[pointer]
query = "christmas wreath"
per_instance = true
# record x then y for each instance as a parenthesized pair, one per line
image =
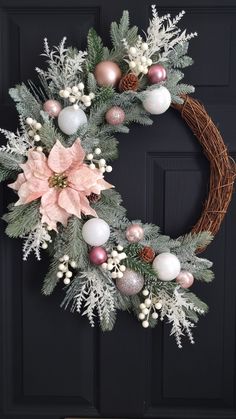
(58, 159)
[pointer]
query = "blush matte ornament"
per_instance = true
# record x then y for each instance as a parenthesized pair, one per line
(157, 101)
(156, 74)
(96, 232)
(134, 233)
(70, 119)
(52, 107)
(167, 266)
(185, 279)
(131, 283)
(115, 116)
(107, 73)
(97, 255)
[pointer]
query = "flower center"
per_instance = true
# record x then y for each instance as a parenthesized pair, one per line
(58, 180)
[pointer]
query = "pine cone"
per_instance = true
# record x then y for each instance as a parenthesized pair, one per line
(147, 254)
(93, 197)
(128, 82)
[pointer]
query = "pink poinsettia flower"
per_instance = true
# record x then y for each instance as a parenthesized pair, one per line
(62, 181)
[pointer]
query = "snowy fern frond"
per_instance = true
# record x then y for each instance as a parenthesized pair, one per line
(35, 240)
(17, 143)
(163, 34)
(175, 307)
(64, 64)
(96, 297)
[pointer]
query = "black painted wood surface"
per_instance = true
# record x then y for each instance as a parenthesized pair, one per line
(53, 365)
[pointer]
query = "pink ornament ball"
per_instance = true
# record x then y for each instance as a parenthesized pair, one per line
(134, 233)
(131, 283)
(156, 74)
(97, 255)
(107, 73)
(115, 116)
(185, 279)
(52, 107)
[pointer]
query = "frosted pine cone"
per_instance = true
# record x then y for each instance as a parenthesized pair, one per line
(128, 82)
(147, 254)
(93, 197)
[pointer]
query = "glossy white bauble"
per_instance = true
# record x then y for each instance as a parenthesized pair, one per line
(167, 266)
(96, 232)
(157, 101)
(70, 119)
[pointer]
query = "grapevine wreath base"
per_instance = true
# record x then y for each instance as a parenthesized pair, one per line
(59, 157)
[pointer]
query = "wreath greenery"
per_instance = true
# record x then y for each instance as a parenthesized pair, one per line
(59, 156)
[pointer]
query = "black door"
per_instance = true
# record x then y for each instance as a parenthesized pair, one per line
(53, 364)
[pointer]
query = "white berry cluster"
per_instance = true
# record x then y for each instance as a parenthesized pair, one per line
(149, 307)
(33, 130)
(114, 262)
(95, 162)
(46, 239)
(138, 57)
(63, 269)
(75, 94)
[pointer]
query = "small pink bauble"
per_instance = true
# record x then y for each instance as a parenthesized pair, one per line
(156, 73)
(185, 279)
(97, 255)
(115, 116)
(107, 73)
(134, 233)
(52, 107)
(131, 283)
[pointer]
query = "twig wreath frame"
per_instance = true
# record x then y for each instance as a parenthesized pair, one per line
(59, 157)
(222, 166)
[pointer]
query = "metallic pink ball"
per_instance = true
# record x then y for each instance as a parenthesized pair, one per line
(185, 279)
(107, 73)
(115, 116)
(131, 283)
(134, 233)
(156, 73)
(52, 107)
(97, 255)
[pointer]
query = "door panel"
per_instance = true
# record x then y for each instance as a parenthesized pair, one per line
(53, 364)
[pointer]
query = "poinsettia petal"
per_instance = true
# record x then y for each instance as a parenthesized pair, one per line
(18, 182)
(83, 178)
(31, 190)
(50, 210)
(36, 165)
(85, 206)
(53, 214)
(77, 153)
(69, 199)
(60, 158)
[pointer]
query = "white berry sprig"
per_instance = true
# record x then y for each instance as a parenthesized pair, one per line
(75, 94)
(114, 262)
(33, 128)
(95, 162)
(63, 269)
(149, 307)
(138, 57)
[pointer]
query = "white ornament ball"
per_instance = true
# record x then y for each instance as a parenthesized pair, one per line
(167, 266)
(96, 232)
(157, 101)
(70, 119)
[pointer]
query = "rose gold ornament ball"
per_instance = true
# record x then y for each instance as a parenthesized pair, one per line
(107, 73)
(156, 73)
(115, 116)
(134, 233)
(185, 279)
(52, 107)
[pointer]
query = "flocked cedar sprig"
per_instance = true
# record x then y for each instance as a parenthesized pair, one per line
(70, 79)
